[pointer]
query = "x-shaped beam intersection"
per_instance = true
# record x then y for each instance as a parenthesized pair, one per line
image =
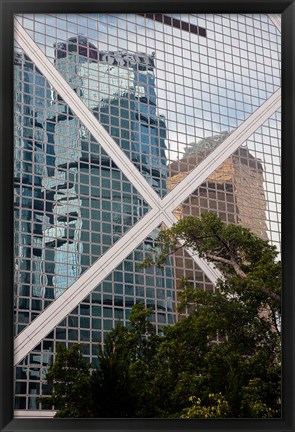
(161, 209)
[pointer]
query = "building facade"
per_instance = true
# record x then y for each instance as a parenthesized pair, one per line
(235, 190)
(106, 107)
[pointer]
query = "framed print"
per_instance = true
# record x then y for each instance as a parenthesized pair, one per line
(147, 191)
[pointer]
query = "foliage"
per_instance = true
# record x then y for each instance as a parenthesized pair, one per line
(218, 407)
(222, 360)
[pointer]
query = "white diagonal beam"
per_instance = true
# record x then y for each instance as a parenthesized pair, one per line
(198, 175)
(85, 115)
(276, 20)
(87, 282)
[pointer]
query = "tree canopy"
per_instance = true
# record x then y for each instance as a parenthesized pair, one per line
(222, 360)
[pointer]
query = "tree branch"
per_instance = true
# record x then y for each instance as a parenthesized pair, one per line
(243, 275)
(270, 294)
(232, 263)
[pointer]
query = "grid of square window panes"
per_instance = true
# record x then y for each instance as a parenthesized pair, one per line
(169, 90)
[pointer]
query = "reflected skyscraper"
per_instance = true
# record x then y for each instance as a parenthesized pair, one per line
(77, 203)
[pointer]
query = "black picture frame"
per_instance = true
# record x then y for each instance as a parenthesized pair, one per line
(8, 9)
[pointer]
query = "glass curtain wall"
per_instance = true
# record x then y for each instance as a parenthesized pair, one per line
(169, 90)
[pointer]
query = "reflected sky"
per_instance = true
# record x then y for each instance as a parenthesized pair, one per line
(204, 85)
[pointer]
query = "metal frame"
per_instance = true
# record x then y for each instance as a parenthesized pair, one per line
(34, 414)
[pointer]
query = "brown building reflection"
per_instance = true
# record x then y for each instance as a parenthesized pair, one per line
(235, 190)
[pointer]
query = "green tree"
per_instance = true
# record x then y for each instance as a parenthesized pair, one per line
(70, 379)
(230, 342)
